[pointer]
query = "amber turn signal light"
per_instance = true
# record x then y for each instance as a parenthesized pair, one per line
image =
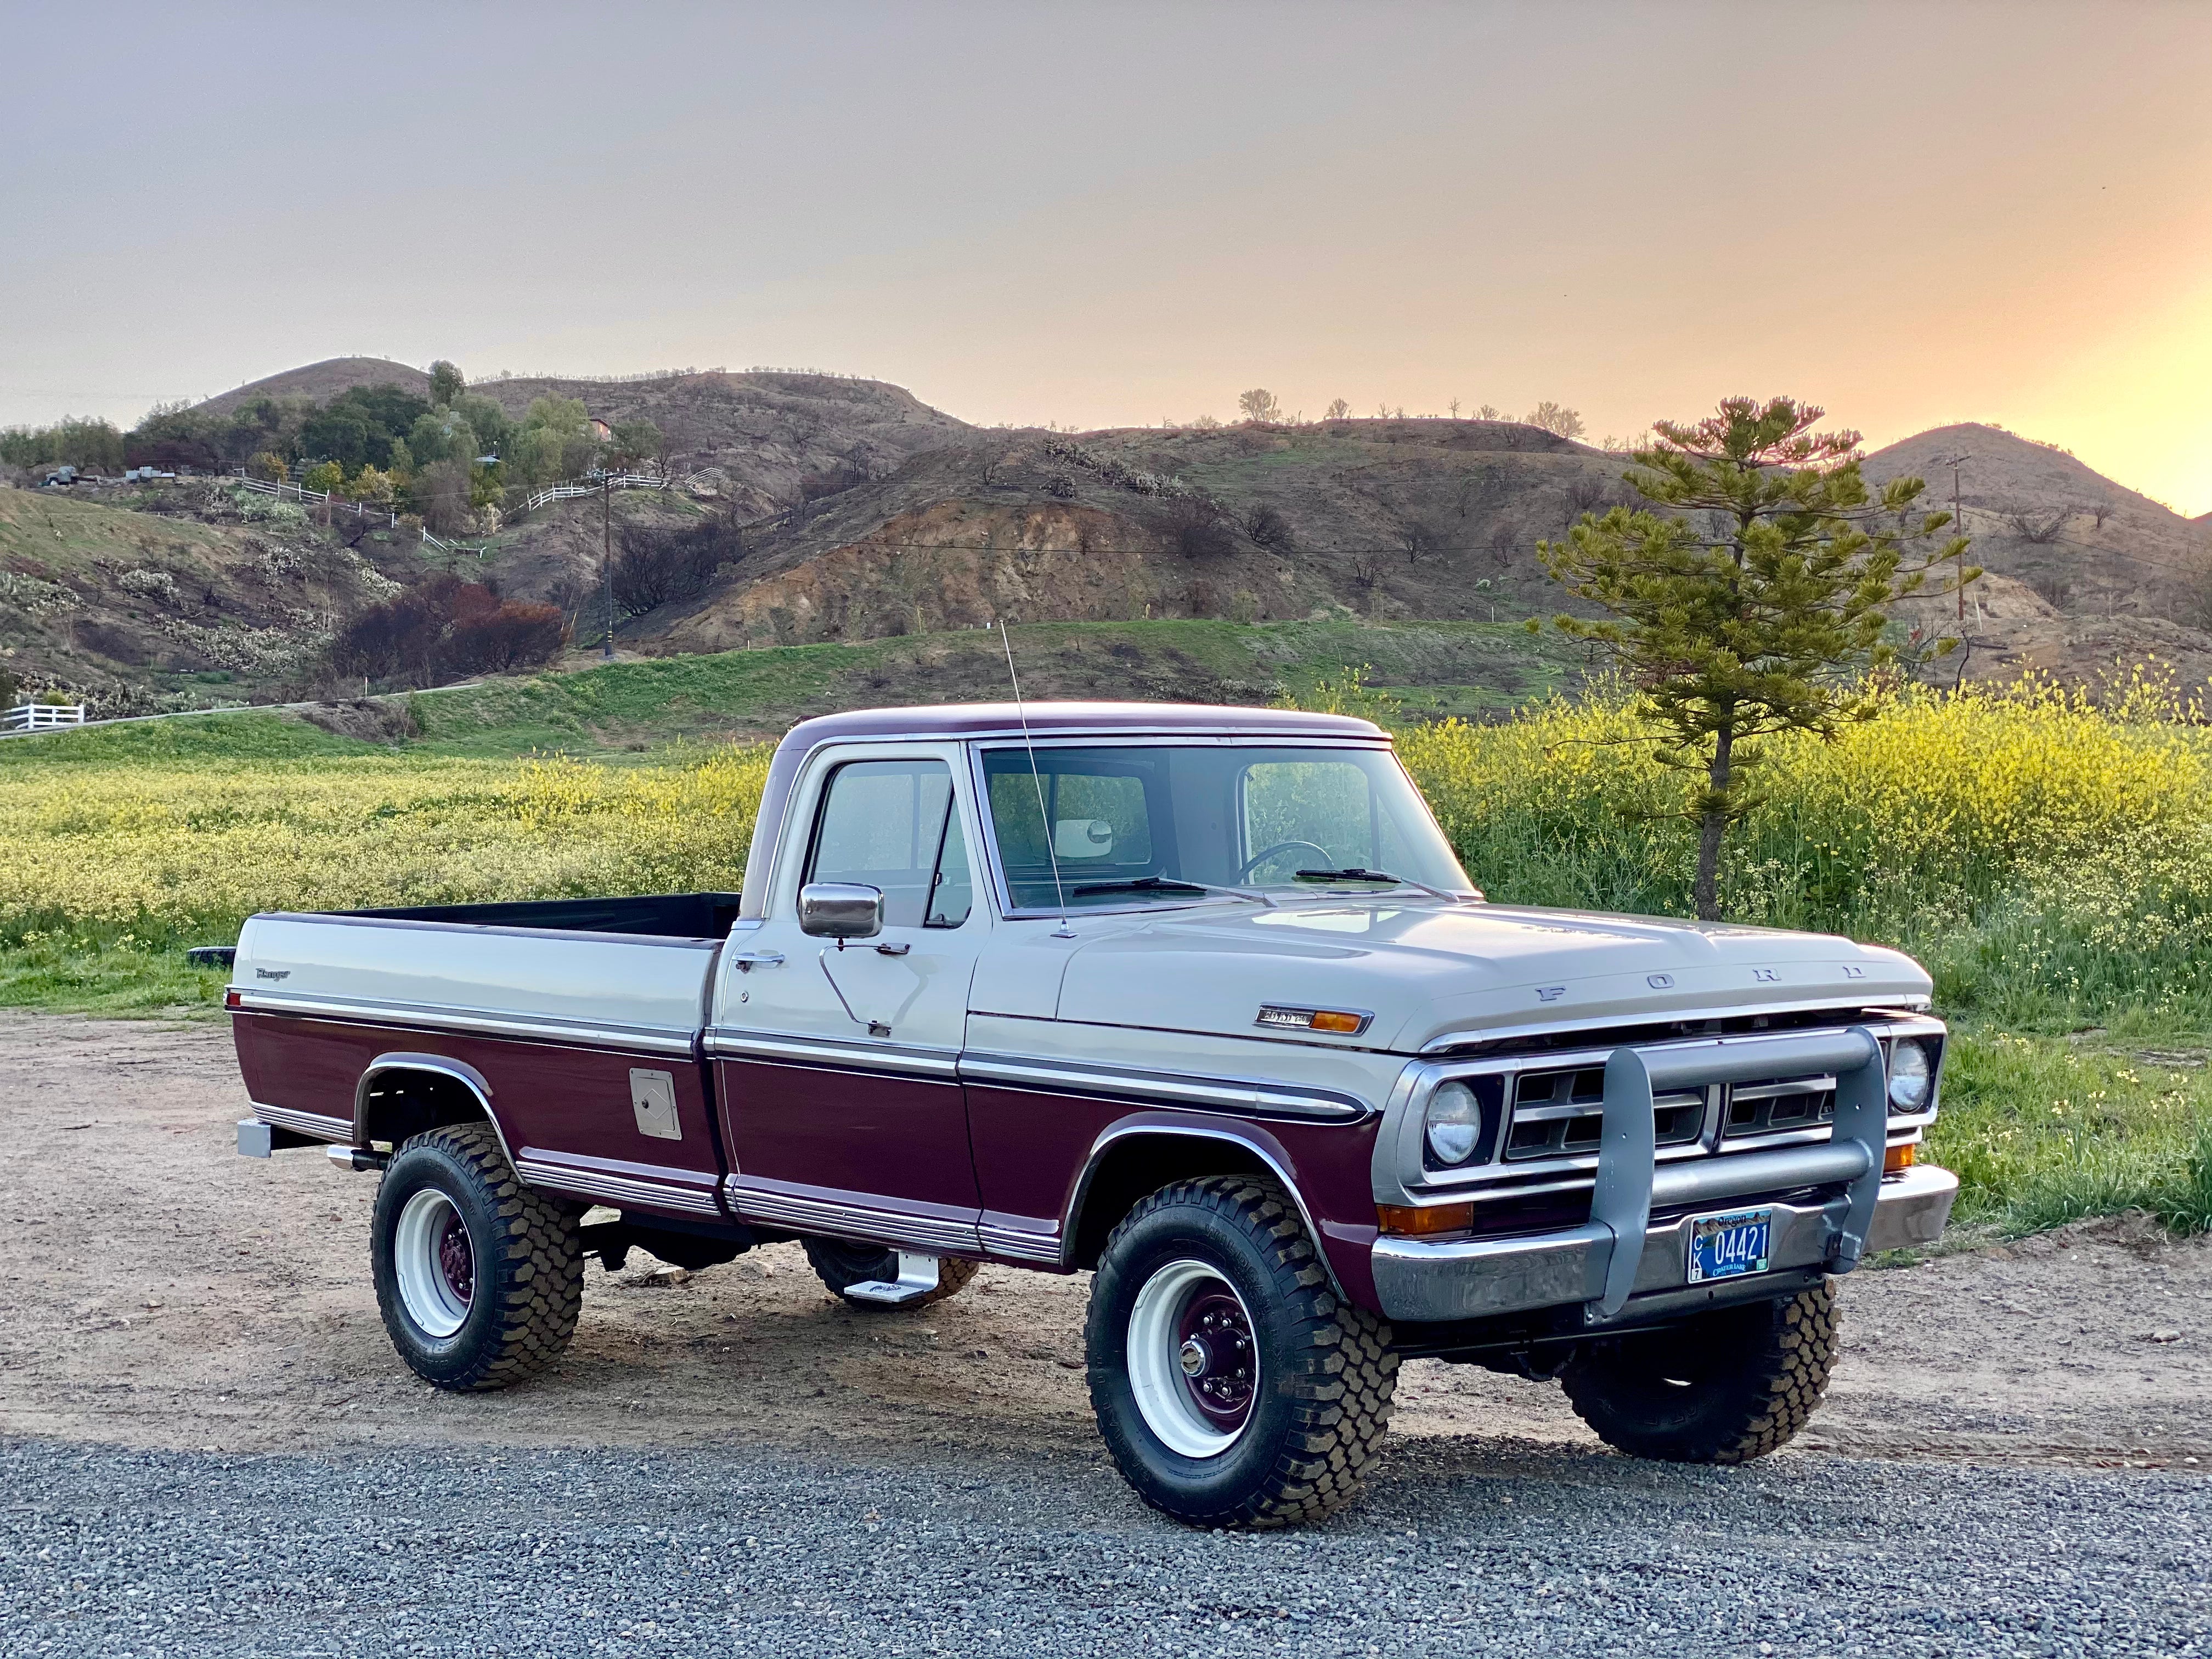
(1898, 1159)
(1417, 1220)
(1328, 1020)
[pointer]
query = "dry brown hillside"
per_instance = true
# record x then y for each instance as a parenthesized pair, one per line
(2083, 572)
(318, 383)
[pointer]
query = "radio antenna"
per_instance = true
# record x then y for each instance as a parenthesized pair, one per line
(1051, 852)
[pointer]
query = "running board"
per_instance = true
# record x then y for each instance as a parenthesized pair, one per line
(917, 1277)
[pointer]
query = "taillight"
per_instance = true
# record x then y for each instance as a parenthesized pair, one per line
(231, 997)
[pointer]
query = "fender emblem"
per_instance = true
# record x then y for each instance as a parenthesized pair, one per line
(272, 973)
(1659, 981)
(1767, 974)
(1550, 993)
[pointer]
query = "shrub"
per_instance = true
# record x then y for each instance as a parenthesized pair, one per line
(1268, 528)
(443, 627)
(1197, 530)
(658, 566)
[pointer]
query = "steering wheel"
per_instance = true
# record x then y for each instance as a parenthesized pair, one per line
(1260, 858)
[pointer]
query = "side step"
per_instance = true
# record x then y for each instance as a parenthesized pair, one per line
(917, 1277)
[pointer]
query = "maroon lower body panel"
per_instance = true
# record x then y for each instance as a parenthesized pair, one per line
(1033, 1147)
(569, 1114)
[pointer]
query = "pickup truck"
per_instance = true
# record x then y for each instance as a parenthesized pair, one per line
(1196, 999)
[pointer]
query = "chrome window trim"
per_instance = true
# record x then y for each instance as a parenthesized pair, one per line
(1002, 895)
(477, 1022)
(1244, 1097)
(1401, 1175)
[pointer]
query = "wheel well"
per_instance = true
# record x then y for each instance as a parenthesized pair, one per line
(1139, 1165)
(401, 1102)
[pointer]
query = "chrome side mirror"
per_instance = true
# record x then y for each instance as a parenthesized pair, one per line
(841, 910)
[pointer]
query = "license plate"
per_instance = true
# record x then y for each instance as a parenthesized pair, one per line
(1730, 1243)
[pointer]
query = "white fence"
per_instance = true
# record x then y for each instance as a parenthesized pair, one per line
(304, 495)
(43, 716)
(570, 489)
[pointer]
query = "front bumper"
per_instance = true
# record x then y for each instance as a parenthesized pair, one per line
(1422, 1281)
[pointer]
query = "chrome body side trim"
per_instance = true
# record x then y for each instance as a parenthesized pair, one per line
(1442, 1280)
(851, 1055)
(1045, 1249)
(844, 1219)
(321, 1125)
(477, 1022)
(1239, 1095)
(616, 1189)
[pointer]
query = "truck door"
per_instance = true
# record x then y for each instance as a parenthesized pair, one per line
(838, 1064)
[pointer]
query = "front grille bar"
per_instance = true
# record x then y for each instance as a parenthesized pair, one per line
(1620, 1208)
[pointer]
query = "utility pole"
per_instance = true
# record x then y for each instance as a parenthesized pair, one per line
(607, 554)
(1959, 526)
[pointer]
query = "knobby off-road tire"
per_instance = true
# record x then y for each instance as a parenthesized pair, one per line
(499, 1303)
(841, 1265)
(1233, 1386)
(1723, 1388)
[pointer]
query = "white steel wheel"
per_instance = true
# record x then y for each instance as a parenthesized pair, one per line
(434, 1263)
(1193, 1367)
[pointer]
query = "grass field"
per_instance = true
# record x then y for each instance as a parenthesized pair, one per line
(2049, 860)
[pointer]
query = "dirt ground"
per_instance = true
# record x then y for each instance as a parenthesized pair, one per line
(161, 1292)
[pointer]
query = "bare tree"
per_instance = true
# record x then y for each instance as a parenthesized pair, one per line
(1338, 410)
(1268, 528)
(2039, 528)
(1488, 412)
(1453, 407)
(1198, 530)
(1556, 419)
(1365, 569)
(991, 456)
(1259, 404)
(1417, 540)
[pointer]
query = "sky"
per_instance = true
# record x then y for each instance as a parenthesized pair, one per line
(1118, 214)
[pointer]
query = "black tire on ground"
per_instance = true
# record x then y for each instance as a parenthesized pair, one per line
(511, 1285)
(1212, 1323)
(1720, 1388)
(841, 1264)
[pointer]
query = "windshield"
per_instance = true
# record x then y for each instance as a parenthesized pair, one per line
(1139, 823)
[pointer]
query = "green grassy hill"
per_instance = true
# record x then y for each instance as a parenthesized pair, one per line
(1437, 670)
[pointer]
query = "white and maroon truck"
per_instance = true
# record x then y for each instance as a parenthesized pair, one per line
(1195, 1000)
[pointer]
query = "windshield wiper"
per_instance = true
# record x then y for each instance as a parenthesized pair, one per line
(1383, 877)
(1167, 884)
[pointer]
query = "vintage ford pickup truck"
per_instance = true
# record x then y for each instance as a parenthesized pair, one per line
(1198, 999)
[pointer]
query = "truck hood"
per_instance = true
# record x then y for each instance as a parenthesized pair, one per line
(1429, 971)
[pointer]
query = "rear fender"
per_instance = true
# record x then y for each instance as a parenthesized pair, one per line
(401, 1095)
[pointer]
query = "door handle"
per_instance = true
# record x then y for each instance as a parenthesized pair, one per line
(748, 960)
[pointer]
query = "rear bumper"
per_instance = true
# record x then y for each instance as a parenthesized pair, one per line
(1420, 1281)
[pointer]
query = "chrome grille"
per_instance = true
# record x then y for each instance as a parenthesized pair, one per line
(1562, 1113)
(1765, 1109)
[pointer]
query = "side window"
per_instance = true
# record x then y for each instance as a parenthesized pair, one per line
(890, 824)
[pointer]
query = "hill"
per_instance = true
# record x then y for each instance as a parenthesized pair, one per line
(2083, 572)
(318, 383)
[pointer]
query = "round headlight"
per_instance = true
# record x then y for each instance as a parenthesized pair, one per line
(1455, 1123)
(1911, 1076)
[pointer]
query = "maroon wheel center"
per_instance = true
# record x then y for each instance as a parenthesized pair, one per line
(1220, 1368)
(457, 1263)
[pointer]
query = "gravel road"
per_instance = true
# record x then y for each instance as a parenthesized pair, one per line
(1519, 1549)
(2012, 1458)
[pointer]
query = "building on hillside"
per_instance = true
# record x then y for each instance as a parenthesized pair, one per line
(601, 430)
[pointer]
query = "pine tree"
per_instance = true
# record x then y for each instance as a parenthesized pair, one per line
(1749, 598)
